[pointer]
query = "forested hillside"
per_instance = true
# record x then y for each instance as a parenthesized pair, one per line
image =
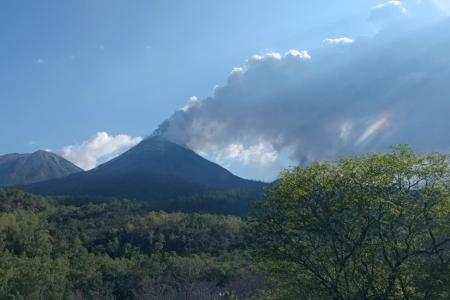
(119, 250)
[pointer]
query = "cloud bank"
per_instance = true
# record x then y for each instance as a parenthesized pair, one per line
(99, 148)
(312, 106)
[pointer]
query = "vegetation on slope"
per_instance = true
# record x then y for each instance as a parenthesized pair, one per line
(118, 250)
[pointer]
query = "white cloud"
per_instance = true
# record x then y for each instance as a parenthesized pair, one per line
(101, 147)
(397, 4)
(192, 102)
(267, 56)
(39, 61)
(274, 56)
(338, 41)
(298, 54)
(260, 153)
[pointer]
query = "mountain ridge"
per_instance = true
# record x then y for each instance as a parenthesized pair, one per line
(28, 168)
(153, 169)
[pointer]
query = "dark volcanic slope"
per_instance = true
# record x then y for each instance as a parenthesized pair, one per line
(154, 168)
(162, 157)
(19, 169)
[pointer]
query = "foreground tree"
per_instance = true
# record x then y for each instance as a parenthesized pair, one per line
(371, 227)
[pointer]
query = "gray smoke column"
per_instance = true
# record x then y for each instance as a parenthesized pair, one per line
(344, 98)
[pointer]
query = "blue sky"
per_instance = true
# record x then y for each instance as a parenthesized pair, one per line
(70, 69)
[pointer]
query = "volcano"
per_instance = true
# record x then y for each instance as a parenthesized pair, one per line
(155, 168)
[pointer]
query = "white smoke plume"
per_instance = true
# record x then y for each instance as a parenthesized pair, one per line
(364, 96)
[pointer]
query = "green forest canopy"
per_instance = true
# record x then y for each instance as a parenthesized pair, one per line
(370, 227)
